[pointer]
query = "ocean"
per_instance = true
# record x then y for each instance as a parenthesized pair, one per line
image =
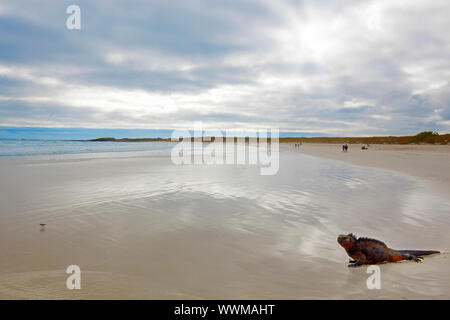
(49, 147)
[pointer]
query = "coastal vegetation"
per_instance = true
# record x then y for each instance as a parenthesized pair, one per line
(425, 137)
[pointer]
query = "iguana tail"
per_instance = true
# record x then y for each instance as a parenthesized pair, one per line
(418, 253)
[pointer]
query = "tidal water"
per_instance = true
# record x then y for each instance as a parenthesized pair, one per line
(10, 147)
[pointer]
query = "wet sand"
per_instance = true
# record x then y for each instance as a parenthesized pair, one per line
(428, 162)
(140, 227)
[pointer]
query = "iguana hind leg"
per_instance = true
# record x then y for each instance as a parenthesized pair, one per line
(415, 258)
(405, 256)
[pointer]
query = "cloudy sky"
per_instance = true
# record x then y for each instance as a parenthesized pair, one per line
(326, 67)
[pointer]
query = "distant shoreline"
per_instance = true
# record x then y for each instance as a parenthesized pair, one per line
(426, 137)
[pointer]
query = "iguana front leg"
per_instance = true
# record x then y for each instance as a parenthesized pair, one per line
(360, 259)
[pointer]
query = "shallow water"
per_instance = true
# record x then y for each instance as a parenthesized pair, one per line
(141, 227)
(15, 148)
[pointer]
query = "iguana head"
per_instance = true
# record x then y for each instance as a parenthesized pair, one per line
(347, 241)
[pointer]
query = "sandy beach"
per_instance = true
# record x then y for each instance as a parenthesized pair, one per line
(191, 150)
(428, 162)
(141, 227)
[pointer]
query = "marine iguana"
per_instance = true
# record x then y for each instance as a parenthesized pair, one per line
(371, 251)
